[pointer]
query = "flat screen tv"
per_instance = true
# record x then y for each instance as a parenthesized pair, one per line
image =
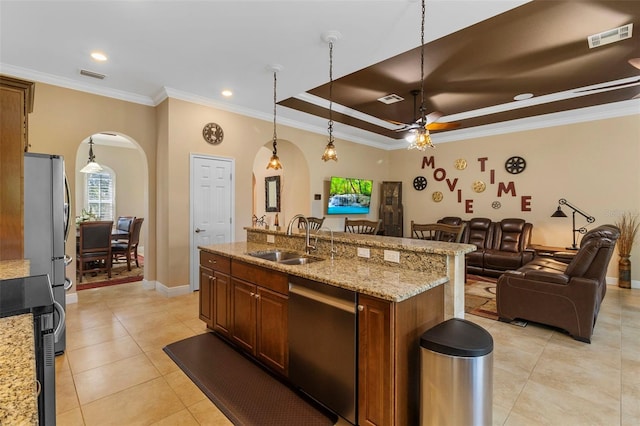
(349, 196)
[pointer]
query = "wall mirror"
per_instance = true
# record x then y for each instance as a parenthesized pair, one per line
(272, 193)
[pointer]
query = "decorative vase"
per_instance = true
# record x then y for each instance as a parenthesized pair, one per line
(624, 272)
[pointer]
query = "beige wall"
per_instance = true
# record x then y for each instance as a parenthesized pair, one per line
(593, 165)
(63, 118)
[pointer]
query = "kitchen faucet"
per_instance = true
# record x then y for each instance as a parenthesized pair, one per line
(333, 250)
(307, 245)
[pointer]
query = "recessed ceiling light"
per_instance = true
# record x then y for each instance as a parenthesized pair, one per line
(227, 93)
(523, 96)
(99, 56)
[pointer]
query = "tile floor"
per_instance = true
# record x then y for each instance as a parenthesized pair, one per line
(115, 372)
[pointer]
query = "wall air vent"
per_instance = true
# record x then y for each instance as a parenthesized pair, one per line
(92, 74)
(610, 36)
(391, 99)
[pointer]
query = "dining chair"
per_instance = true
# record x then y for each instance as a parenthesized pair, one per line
(315, 223)
(129, 249)
(123, 226)
(437, 232)
(94, 247)
(362, 226)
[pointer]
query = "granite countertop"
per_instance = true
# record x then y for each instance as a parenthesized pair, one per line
(14, 269)
(388, 282)
(18, 398)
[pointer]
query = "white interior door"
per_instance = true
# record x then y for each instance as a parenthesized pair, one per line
(211, 206)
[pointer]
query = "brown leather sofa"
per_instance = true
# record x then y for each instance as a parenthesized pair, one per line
(501, 246)
(563, 295)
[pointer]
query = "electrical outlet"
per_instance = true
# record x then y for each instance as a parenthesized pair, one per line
(392, 256)
(271, 239)
(364, 252)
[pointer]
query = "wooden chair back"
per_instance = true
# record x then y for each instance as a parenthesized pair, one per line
(315, 223)
(129, 250)
(437, 232)
(362, 226)
(94, 246)
(124, 223)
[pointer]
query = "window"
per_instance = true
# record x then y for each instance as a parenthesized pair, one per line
(101, 194)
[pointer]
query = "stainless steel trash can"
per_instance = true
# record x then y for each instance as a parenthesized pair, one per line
(456, 384)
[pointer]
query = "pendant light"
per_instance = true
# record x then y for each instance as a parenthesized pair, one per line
(330, 150)
(422, 139)
(92, 166)
(274, 162)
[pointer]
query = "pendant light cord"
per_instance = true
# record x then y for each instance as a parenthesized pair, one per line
(275, 137)
(330, 91)
(422, 107)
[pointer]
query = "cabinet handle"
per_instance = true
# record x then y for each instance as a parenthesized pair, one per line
(257, 296)
(252, 294)
(360, 308)
(212, 261)
(210, 278)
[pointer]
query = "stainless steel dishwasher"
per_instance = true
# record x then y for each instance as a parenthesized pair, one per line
(322, 344)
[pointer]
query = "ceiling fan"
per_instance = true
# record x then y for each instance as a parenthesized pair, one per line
(430, 119)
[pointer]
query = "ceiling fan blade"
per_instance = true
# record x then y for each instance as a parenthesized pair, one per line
(611, 86)
(442, 126)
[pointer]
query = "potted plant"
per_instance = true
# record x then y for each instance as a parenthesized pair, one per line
(628, 225)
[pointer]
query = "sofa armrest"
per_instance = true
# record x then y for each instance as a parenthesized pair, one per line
(547, 276)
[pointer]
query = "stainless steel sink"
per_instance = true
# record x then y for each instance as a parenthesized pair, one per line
(300, 260)
(285, 257)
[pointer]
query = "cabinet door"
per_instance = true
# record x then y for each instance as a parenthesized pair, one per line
(206, 281)
(272, 337)
(243, 312)
(221, 304)
(375, 355)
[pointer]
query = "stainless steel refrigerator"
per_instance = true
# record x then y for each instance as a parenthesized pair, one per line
(46, 224)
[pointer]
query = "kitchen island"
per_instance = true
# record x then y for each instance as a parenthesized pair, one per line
(397, 302)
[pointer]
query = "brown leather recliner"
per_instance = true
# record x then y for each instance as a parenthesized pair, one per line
(562, 295)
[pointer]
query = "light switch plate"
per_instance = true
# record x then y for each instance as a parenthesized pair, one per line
(392, 256)
(271, 239)
(364, 252)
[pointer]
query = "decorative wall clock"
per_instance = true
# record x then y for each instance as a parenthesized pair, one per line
(515, 165)
(420, 183)
(212, 133)
(437, 196)
(461, 164)
(479, 186)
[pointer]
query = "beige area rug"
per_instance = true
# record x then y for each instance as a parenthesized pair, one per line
(480, 296)
(119, 275)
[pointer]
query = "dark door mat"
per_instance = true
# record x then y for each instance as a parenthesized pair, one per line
(242, 390)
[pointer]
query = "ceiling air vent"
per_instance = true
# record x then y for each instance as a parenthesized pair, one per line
(92, 74)
(391, 99)
(610, 36)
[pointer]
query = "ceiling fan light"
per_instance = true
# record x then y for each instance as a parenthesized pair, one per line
(422, 141)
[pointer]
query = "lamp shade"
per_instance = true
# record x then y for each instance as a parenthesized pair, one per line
(91, 167)
(558, 213)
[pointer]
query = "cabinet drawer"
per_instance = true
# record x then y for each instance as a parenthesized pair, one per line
(268, 278)
(215, 261)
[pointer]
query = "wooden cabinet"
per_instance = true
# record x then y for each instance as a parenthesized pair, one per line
(389, 356)
(215, 296)
(259, 300)
(391, 209)
(16, 102)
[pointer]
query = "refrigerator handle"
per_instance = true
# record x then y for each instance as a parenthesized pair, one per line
(67, 260)
(67, 283)
(61, 324)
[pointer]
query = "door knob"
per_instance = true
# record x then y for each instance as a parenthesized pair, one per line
(198, 230)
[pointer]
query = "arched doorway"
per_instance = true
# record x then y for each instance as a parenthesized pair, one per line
(294, 182)
(121, 189)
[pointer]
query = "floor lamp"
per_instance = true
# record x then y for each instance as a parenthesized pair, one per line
(582, 230)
